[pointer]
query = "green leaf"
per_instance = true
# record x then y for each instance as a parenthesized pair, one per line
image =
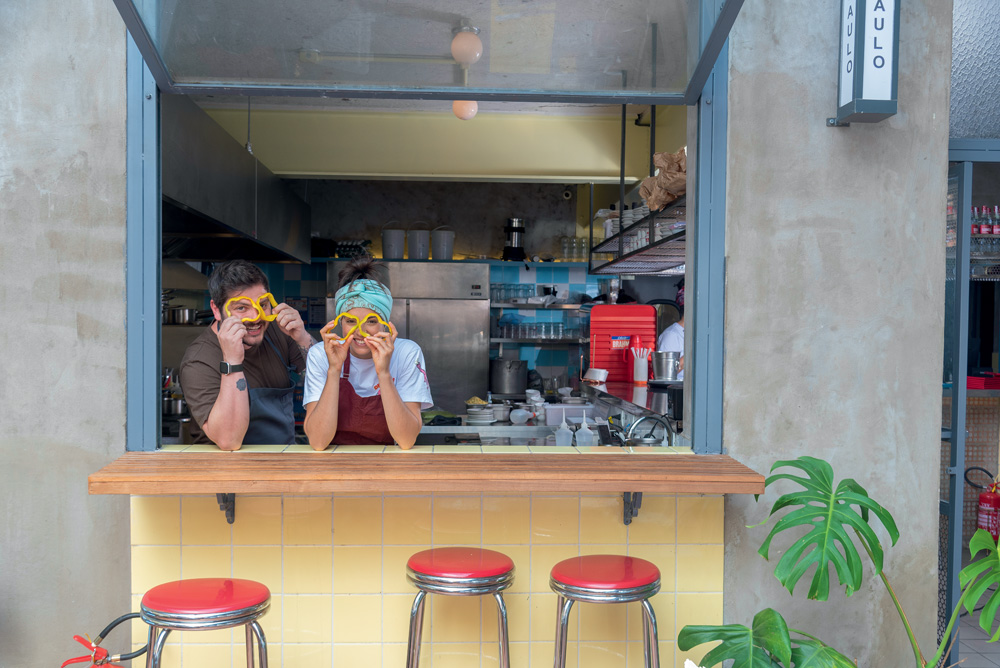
(832, 515)
(766, 645)
(979, 577)
(812, 653)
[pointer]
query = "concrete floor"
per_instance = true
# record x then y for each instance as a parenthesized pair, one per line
(974, 650)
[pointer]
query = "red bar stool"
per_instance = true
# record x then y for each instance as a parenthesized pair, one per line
(458, 571)
(202, 605)
(606, 578)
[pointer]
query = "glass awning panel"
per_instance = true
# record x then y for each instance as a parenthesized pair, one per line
(636, 51)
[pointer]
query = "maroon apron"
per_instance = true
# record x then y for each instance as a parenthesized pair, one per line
(360, 420)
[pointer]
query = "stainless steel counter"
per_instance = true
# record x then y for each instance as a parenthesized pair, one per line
(632, 399)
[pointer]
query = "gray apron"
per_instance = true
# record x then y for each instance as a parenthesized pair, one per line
(272, 419)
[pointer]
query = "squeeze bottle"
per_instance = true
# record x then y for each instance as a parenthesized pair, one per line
(564, 435)
(584, 437)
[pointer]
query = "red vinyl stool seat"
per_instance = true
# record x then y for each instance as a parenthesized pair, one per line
(458, 571)
(203, 604)
(606, 578)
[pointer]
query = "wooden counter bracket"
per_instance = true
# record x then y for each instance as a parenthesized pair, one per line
(227, 504)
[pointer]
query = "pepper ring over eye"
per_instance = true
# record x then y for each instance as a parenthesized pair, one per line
(259, 311)
(351, 324)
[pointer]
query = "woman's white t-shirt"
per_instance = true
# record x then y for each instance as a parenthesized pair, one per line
(406, 366)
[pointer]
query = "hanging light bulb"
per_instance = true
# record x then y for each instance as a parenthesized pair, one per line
(466, 47)
(465, 109)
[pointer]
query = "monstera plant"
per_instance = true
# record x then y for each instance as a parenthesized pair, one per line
(839, 517)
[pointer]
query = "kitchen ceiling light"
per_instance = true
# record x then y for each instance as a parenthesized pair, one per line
(466, 47)
(465, 109)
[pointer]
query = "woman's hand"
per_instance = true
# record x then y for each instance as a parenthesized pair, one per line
(382, 345)
(337, 349)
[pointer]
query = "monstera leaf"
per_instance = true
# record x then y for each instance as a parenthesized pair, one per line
(766, 645)
(832, 513)
(813, 653)
(983, 574)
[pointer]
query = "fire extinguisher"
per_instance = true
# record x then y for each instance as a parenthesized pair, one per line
(988, 512)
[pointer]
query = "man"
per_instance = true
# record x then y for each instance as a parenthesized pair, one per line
(239, 375)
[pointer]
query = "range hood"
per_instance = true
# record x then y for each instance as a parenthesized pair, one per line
(219, 201)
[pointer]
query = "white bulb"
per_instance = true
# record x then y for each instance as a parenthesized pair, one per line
(466, 47)
(465, 109)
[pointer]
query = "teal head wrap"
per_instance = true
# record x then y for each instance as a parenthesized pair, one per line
(365, 293)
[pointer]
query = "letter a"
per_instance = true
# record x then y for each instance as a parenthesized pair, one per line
(850, 11)
(878, 5)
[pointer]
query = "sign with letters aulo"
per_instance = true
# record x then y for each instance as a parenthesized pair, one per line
(869, 54)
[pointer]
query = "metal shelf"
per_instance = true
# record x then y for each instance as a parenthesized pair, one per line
(540, 307)
(659, 257)
(676, 210)
(561, 342)
(664, 256)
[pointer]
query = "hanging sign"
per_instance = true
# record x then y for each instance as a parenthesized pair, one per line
(869, 51)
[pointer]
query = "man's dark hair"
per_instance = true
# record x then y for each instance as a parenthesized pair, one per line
(229, 278)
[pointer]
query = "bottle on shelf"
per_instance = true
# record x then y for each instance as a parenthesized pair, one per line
(996, 220)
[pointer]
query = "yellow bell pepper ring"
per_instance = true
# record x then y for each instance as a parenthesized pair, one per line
(260, 315)
(348, 319)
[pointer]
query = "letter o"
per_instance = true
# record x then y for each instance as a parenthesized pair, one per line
(850, 66)
(878, 62)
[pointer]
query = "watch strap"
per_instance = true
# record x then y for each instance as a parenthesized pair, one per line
(226, 368)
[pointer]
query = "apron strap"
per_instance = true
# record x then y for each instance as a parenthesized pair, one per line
(346, 372)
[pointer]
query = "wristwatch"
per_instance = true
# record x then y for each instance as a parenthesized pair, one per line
(226, 368)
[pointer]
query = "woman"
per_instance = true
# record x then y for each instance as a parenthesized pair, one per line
(365, 385)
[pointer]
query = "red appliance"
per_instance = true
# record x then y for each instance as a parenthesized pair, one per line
(612, 328)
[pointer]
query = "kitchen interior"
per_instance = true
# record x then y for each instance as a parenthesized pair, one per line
(524, 275)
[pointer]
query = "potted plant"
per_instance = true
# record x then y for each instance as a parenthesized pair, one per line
(840, 517)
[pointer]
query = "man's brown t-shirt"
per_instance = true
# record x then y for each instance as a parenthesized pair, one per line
(200, 376)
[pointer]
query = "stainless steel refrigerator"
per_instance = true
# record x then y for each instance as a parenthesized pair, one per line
(445, 308)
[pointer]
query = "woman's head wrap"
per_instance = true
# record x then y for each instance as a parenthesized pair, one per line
(365, 293)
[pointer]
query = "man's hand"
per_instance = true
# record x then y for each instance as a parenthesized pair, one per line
(231, 332)
(336, 351)
(290, 322)
(382, 345)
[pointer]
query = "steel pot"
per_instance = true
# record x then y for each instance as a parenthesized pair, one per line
(179, 316)
(173, 406)
(508, 376)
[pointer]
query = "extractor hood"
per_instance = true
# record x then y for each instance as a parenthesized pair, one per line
(219, 201)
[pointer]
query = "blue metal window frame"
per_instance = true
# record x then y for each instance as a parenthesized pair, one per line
(142, 260)
(713, 37)
(707, 320)
(143, 248)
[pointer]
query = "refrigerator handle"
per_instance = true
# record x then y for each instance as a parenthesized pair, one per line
(407, 335)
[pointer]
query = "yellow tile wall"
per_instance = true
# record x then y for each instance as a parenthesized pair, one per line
(336, 570)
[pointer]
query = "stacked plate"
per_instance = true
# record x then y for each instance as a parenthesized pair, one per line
(480, 416)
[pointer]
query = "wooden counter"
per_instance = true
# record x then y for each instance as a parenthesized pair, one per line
(425, 469)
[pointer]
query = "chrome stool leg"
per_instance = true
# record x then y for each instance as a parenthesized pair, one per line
(649, 635)
(563, 607)
(249, 647)
(151, 638)
(502, 629)
(416, 630)
(261, 643)
(156, 650)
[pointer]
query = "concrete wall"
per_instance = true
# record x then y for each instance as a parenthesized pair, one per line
(63, 555)
(839, 233)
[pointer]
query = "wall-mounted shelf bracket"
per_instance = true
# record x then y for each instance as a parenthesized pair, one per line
(631, 505)
(227, 504)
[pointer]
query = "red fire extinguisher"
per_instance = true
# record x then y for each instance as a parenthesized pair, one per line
(988, 511)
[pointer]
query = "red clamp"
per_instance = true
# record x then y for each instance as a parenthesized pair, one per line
(98, 655)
